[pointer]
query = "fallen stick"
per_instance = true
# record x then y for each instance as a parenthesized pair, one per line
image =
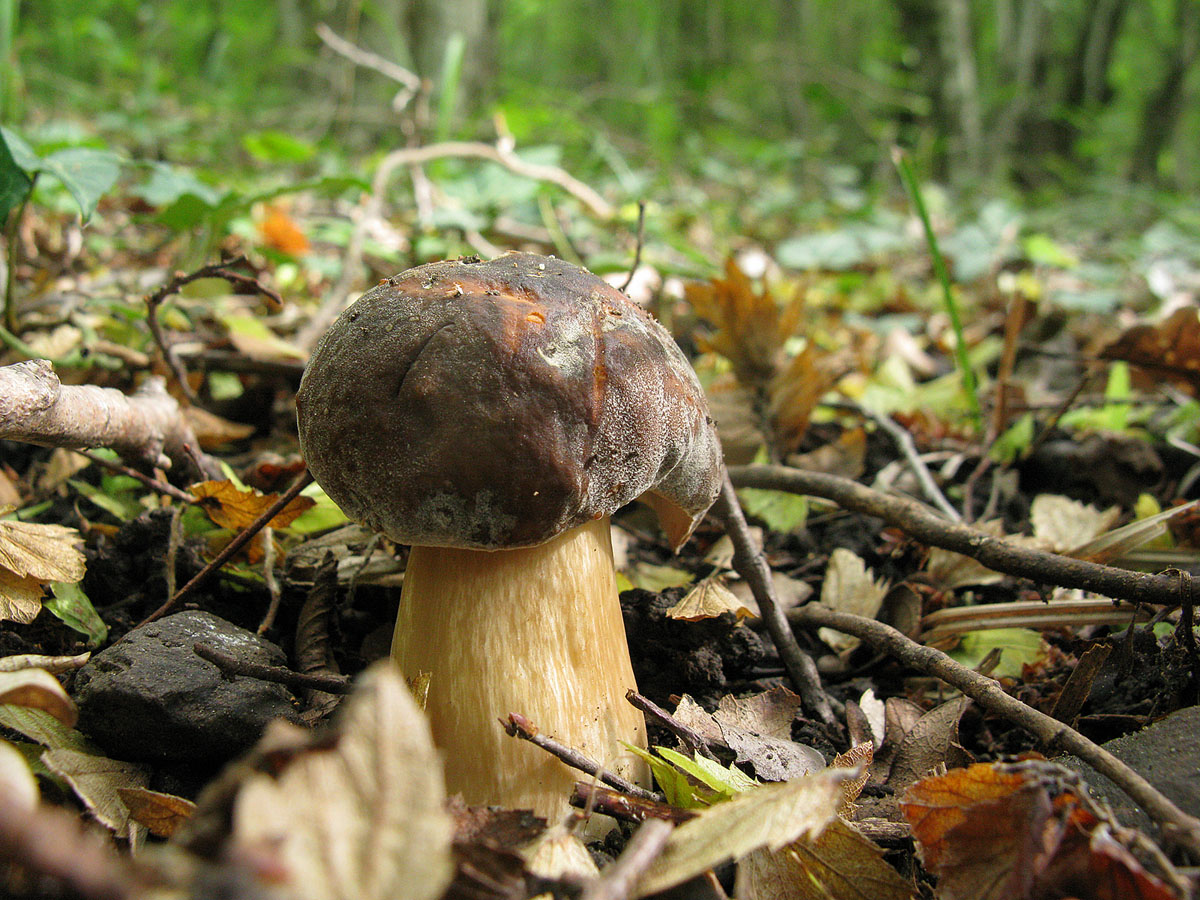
(920, 522)
(147, 428)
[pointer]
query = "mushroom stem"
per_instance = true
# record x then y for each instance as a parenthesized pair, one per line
(536, 631)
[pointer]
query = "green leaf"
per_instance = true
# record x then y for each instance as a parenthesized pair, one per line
(72, 606)
(673, 783)
(86, 173)
(780, 511)
(1014, 441)
(323, 516)
(1018, 646)
(123, 506)
(1044, 250)
(725, 780)
(15, 182)
(167, 184)
(277, 147)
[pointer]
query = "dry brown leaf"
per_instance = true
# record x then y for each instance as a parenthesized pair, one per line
(161, 813)
(859, 757)
(96, 781)
(44, 552)
(1062, 524)
(708, 600)
(771, 816)
(927, 744)
(363, 819)
(1011, 831)
(38, 689)
(795, 393)
(55, 665)
(212, 431)
(232, 507)
(839, 864)
(849, 587)
(1170, 348)
(557, 852)
(20, 598)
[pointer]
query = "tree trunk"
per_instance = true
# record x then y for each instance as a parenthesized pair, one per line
(433, 24)
(1087, 83)
(963, 86)
(1162, 109)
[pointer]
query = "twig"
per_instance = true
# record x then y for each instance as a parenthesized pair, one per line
(752, 566)
(179, 279)
(909, 448)
(231, 665)
(997, 554)
(520, 727)
(272, 585)
(637, 250)
(369, 60)
(588, 795)
(1178, 827)
(239, 541)
(586, 195)
(153, 483)
(618, 880)
(146, 427)
(691, 738)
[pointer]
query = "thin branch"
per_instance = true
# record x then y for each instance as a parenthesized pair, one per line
(597, 798)
(146, 427)
(909, 448)
(520, 727)
(637, 252)
(618, 880)
(998, 554)
(691, 738)
(1178, 827)
(153, 483)
(231, 665)
(222, 270)
(586, 195)
(749, 562)
(239, 541)
(367, 59)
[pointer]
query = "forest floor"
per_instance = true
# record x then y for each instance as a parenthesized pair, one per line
(966, 585)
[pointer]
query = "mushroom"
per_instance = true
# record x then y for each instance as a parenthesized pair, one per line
(494, 415)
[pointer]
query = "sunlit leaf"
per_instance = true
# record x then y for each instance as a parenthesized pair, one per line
(71, 605)
(232, 507)
(39, 690)
(708, 600)
(1019, 647)
(849, 587)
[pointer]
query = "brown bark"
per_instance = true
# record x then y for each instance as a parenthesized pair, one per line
(147, 428)
(1163, 107)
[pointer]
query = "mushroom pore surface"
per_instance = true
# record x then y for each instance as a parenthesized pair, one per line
(496, 404)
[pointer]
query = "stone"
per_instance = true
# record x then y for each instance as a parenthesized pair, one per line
(151, 698)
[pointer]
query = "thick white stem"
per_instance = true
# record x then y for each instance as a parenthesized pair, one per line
(536, 631)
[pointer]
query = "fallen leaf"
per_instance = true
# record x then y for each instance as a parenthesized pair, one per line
(280, 232)
(771, 816)
(1021, 831)
(558, 852)
(55, 665)
(849, 587)
(1018, 647)
(38, 689)
(1170, 348)
(45, 552)
(42, 728)
(31, 556)
(709, 599)
(927, 744)
(838, 864)
(95, 781)
(161, 813)
(213, 432)
(252, 338)
(1062, 524)
(949, 570)
(858, 757)
(363, 818)
(235, 508)
(655, 578)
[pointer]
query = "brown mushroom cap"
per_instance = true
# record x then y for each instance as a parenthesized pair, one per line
(497, 404)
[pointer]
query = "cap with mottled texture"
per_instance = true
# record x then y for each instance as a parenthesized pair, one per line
(497, 404)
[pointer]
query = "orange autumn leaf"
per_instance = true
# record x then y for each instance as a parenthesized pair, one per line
(279, 231)
(232, 507)
(1021, 831)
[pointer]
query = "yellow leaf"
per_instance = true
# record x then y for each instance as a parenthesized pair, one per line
(37, 689)
(20, 598)
(232, 507)
(849, 587)
(708, 600)
(770, 816)
(44, 552)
